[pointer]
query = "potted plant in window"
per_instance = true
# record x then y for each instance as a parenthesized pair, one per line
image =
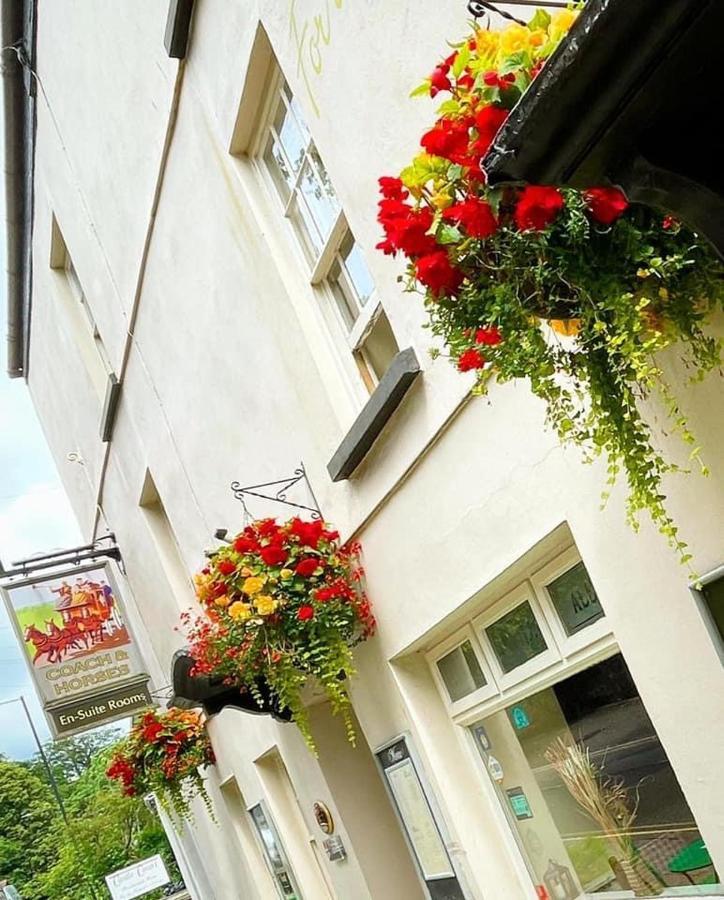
(163, 755)
(608, 802)
(577, 291)
(283, 603)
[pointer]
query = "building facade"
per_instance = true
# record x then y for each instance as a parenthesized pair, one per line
(207, 306)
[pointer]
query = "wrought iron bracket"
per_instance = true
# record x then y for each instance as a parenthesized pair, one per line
(282, 485)
(72, 557)
(478, 8)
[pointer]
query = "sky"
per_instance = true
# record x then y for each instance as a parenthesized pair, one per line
(35, 516)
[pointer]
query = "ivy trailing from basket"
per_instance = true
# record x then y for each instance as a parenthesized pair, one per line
(576, 290)
(283, 604)
(163, 755)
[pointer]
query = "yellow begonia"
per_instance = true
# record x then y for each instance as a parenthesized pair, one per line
(240, 611)
(201, 586)
(246, 572)
(224, 600)
(265, 605)
(286, 574)
(514, 39)
(254, 584)
(487, 42)
(561, 21)
(537, 38)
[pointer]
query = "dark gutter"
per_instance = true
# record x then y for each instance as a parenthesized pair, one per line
(18, 37)
(630, 97)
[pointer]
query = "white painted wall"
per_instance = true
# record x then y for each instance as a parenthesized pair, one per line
(231, 377)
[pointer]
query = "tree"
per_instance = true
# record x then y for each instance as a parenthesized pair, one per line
(29, 823)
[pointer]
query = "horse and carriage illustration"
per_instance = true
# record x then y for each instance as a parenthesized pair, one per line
(70, 620)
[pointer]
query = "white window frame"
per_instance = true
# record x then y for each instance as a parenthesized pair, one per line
(522, 593)
(319, 269)
(488, 690)
(574, 643)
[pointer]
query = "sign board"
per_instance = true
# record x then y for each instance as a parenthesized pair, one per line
(90, 712)
(138, 879)
(519, 803)
(74, 637)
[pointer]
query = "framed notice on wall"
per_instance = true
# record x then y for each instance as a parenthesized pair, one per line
(82, 658)
(419, 822)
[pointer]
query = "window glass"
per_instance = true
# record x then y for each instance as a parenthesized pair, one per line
(713, 594)
(277, 165)
(291, 137)
(357, 270)
(461, 672)
(379, 347)
(275, 855)
(320, 198)
(516, 637)
(575, 599)
(590, 793)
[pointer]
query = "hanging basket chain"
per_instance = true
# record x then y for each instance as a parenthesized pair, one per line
(478, 8)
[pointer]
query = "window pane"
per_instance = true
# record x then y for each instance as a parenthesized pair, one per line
(277, 165)
(380, 347)
(590, 793)
(516, 637)
(308, 234)
(357, 270)
(714, 601)
(575, 599)
(346, 301)
(291, 136)
(461, 672)
(319, 195)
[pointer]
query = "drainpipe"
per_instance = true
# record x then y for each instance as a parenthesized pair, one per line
(18, 43)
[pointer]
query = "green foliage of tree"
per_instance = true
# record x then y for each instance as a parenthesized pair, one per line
(47, 860)
(28, 823)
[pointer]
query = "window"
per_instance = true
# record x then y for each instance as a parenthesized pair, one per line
(165, 542)
(589, 791)
(274, 854)
(337, 268)
(87, 336)
(710, 592)
(516, 637)
(461, 672)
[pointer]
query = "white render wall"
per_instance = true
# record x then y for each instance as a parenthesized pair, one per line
(230, 375)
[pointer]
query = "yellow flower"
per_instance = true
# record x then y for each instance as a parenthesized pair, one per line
(224, 600)
(663, 293)
(537, 38)
(562, 21)
(265, 605)
(240, 611)
(286, 574)
(487, 42)
(514, 39)
(254, 584)
(246, 572)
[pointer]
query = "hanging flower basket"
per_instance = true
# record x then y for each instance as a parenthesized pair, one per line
(283, 604)
(575, 290)
(163, 755)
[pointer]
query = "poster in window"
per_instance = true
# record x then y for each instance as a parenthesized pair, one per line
(418, 820)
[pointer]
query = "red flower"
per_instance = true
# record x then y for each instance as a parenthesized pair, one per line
(436, 272)
(474, 215)
(492, 79)
(489, 336)
(488, 121)
(273, 555)
(244, 544)
(392, 188)
(305, 613)
(537, 207)
(226, 566)
(151, 732)
(308, 533)
(670, 223)
(606, 204)
(449, 139)
(267, 528)
(409, 234)
(307, 567)
(470, 359)
(439, 80)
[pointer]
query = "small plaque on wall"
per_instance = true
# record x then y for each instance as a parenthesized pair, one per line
(334, 848)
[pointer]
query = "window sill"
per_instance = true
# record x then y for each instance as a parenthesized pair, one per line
(368, 425)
